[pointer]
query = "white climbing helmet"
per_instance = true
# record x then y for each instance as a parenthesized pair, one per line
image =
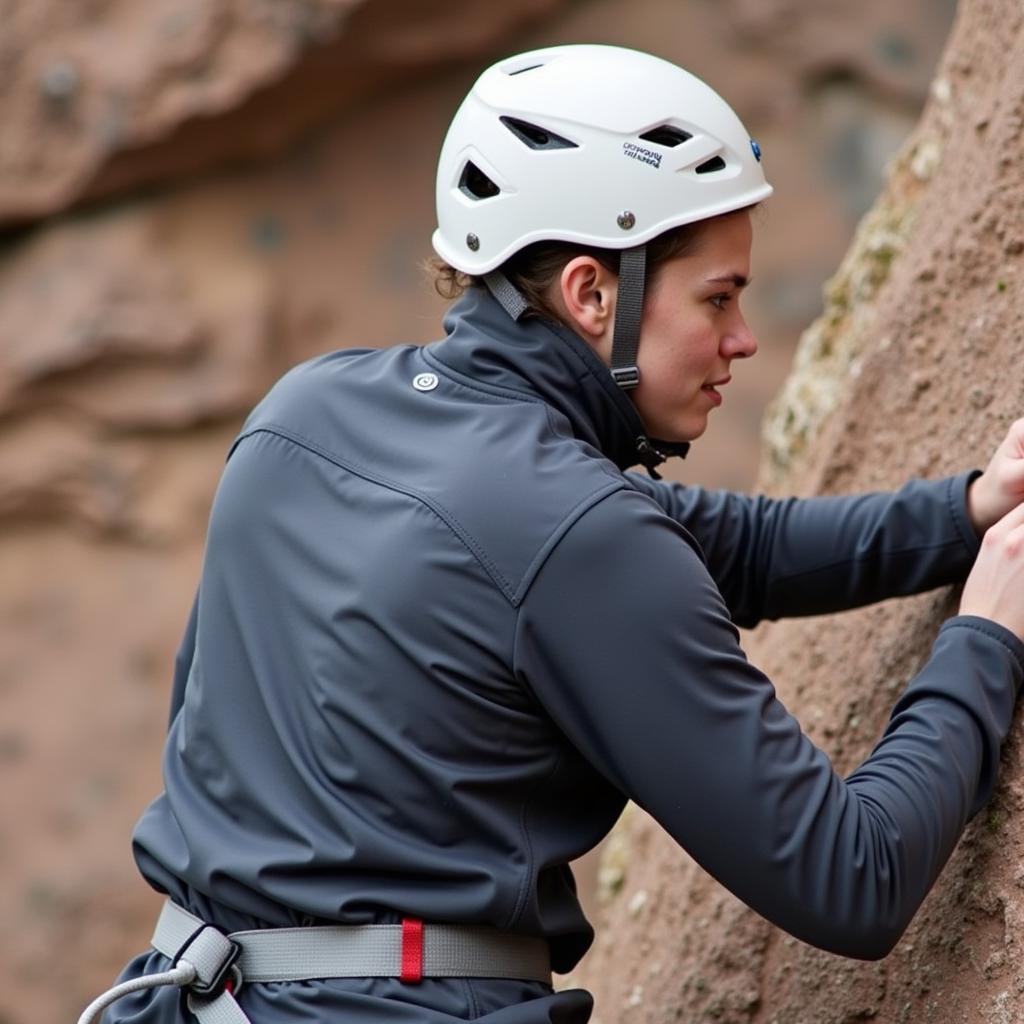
(597, 145)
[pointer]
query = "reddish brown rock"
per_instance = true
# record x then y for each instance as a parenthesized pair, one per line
(112, 95)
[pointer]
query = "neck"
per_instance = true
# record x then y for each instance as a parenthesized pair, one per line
(546, 360)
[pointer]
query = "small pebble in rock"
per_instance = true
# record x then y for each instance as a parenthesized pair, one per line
(637, 902)
(980, 399)
(59, 82)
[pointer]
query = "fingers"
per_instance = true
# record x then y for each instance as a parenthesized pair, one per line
(1013, 519)
(995, 587)
(1014, 543)
(1010, 522)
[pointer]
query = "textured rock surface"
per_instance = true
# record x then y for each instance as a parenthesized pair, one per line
(111, 95)
(207, 192)
(916, 367)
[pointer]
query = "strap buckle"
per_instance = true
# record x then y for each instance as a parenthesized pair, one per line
(210, 980)
(229, 976)
(627, 377)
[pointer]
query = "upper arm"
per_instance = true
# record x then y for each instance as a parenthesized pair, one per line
(726, 527)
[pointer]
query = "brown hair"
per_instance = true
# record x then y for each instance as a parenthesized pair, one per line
(533, 269)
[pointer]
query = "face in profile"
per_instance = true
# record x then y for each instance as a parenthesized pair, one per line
(693, 329)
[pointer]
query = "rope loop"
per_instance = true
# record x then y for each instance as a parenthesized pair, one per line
(181, 975)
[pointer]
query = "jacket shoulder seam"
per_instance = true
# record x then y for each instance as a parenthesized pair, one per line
(444, 514)
(565, 525)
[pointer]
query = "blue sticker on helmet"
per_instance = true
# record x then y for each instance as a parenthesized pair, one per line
(756, 148)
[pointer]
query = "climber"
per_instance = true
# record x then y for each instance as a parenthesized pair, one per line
(442, 634)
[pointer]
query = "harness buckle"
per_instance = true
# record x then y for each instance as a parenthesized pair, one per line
(210, 942)
(229, 976)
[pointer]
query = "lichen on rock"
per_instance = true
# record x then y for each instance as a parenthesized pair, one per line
(828, 352)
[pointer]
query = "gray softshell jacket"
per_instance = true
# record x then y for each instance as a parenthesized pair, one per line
(441, 637)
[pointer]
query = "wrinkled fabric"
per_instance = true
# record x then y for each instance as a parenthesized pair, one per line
(441, 637)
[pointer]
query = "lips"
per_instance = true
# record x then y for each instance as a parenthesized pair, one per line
(709, 389)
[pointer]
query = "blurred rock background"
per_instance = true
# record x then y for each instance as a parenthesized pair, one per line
(196, 194)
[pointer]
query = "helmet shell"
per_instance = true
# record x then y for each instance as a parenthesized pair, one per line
(597, 181)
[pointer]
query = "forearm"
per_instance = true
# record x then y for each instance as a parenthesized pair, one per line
(865, 859)
(775, 558)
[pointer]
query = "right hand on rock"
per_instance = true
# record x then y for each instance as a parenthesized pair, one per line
(995, 588)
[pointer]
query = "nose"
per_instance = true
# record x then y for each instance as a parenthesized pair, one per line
(739, 342)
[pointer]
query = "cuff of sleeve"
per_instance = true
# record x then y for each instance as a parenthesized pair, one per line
(991, 629)
(957, 498)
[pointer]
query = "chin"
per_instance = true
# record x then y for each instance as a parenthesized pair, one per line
(677, 431)
(684, 433)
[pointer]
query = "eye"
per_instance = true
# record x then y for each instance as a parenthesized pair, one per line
(721, 300)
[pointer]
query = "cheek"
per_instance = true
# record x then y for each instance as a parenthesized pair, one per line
(685, 362)
(671, 383)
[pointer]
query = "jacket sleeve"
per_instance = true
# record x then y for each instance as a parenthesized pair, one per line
(777, 558)
(626, 642)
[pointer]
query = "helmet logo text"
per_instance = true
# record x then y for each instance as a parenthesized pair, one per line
(645, 156)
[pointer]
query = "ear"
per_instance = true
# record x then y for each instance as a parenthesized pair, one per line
(588, 291)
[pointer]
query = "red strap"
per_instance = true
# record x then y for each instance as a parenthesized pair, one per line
(412, 950)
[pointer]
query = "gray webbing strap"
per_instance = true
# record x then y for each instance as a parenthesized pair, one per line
(367, 951)
(359, 951)
(203, 957)
(506, 293)
(629, 309)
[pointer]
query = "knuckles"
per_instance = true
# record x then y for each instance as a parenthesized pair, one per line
(1013, 544)
(1004, 540)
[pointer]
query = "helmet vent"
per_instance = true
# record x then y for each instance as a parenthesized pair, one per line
(475, 184)
(666, 135)
(534, 136)
(716, 163)
(522, 71)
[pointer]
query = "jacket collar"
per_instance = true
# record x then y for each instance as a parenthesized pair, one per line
(548, 361)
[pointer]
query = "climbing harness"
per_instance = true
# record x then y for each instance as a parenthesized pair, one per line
(212, 966)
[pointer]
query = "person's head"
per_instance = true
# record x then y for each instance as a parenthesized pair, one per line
(582, 174)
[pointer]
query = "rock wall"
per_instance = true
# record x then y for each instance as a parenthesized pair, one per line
(194, 196)
(916, 367)
(105, 96)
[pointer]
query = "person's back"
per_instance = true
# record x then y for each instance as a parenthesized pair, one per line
(350, 707)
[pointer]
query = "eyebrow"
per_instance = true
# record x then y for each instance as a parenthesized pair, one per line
(736, 280)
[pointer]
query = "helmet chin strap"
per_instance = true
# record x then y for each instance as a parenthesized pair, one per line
(629, 309)
(650, 451)
(506, 293)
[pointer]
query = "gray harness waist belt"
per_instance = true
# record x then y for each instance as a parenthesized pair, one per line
(213, 966)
